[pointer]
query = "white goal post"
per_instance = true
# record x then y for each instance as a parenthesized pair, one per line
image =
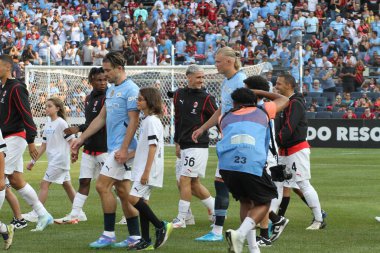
(70, 83)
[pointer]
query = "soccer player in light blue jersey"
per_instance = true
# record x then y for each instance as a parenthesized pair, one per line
(121, 116)
(227, 61)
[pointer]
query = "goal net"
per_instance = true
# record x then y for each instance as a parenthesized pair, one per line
(71, 85)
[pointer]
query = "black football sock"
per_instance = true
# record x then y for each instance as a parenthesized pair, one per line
(274, 217)
(144, 224)
(145, 210)
(109, 222)
(264, 233)
(283, 206)
(133, 226)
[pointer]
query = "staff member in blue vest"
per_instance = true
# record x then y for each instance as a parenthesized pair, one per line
(242, 154)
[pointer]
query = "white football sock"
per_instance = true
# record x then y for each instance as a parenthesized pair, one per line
(209, 203)
(78, 204)
(109, 233)
(218, 230)
(251, 239)
(2, 197)
(183, 208)
(3, 228)
(189, 214)
(312, 199)
(30, 196)
(247, 225)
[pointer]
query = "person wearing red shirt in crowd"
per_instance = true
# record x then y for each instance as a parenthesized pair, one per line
(132, 6)
(203, 8)
(349, 115)
(315, 44)
(211, 14)
(191, 49)
(172, 26)
(334, 59)
(190, 24)
(367, 114)
(320, 14)
(163, 31)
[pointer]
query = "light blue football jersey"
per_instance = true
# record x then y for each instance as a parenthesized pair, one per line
(228, 86)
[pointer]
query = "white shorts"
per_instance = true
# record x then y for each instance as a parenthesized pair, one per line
(58, 176)
(90, 165)
(141, 191)
(194, 162)
(299, 163)
(14, 155)
(115, 170)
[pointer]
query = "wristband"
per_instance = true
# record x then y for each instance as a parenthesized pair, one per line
(32, 161)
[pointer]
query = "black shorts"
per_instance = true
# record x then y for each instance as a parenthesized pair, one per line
(260, 190)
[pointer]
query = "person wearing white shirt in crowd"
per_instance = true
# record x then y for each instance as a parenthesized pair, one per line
(151, 54)
(312, 5)
(311, 23)
(56, 52)
(350, 57)
(259, 24)
(99, 53)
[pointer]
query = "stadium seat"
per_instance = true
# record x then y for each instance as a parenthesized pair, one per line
(373, 95)
(339, 89)
(308, 101)
(314, 94)
(356, 94)
(330, 97)
(310, 115)
(337, 115)
(323, 115)
(321, 109)
(321, 101)
(359, 110)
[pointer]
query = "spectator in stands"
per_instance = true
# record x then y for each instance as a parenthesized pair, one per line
(349, 114)
(367, 114)
(348, 75)
(326, 77)
(347, 99)
(316, 87)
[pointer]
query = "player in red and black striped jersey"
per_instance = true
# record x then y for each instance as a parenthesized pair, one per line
(95, 147)
(19, 130)
(193, 106)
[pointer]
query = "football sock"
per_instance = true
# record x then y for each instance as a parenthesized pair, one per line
(183, 208)
(221, 202)
(274, 217)
(144, 224)
(312, 199)
(209, 203)
(189, 214)
(4, 231)
(275, 203)
(109, 223)
(251, 239)
(218, 230)
(283, 206)
(30, 196)
(146, 211)
(264, 233)
(78, 204)
(247, 225)
(133, 226)
(2, 197)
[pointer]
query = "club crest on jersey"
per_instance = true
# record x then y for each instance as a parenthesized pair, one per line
(96, 103)
(118, 94)
(195, 105)
(4, 93)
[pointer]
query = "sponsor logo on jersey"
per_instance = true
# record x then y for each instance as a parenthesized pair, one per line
(195, 105)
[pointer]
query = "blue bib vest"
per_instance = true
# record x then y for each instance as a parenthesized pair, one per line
(245, 142)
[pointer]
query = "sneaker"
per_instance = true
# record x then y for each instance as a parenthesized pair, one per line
(43, 222)
(70, 219)
(324, 214)
(235, 241)
(278, 228)
(179, 223)
(127, 243)
(144, 245)
(190, 220)
(377, 218)
(263, 242)
(19, 223)
(123, 221)
(10, 232)
(316, 225)
(31, 216)
(103, 242)
(162, 234)
(210, 237)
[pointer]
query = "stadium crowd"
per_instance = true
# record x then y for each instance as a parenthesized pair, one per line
(337, 42)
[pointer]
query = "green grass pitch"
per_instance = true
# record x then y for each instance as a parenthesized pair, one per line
(347, 181)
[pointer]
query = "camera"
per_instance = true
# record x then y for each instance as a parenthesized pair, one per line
(280, 173)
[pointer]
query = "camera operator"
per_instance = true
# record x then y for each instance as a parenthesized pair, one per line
(294, 151)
